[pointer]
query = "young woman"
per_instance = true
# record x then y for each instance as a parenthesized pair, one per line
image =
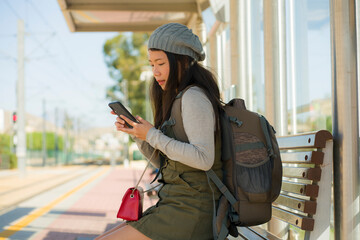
(185, 207)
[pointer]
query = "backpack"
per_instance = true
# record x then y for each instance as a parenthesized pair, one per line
(251, 164)
(252, 170)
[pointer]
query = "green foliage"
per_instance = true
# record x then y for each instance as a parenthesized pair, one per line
(34, 141)
(4, 142)
(329, 123)
(13, 160)
(5, 151)
(125, 55)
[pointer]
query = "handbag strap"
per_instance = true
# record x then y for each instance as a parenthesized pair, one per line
(142, 175)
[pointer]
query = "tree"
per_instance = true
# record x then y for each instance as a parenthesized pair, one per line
(125, 55)
(5, 152)
(34, 141)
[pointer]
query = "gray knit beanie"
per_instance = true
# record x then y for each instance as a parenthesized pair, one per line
(177, 38)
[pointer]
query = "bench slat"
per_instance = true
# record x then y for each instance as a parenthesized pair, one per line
(308, 140)
(303, 157)
(256, 233)
(304, 150)
(300, 188)
(305, 173)
(302, 205)
(246, 233)
(264, 233)
(302, 222)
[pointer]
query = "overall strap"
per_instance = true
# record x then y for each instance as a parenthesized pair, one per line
(177, 125)
(179, 132)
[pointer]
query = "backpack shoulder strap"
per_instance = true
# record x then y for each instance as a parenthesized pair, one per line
(176, 116)
(221, 186)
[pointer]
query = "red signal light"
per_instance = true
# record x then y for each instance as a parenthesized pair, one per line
(14, 117)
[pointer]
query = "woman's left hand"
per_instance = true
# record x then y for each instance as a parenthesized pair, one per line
(139, 130)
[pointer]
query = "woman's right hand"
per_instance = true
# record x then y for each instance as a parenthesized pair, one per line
(139, 129)
(120, 123)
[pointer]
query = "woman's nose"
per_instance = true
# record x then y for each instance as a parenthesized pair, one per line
(155, 71)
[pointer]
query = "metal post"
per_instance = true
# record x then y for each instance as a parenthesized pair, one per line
(201, 29)
(292, 61)
(20, 92)
(124, 86)
(249, 60)
(275, 78)
(242, 42)
(257, 56)
(234, 42)
(275, 64)
(66, 140)
(44, 153)
(56, 138)
(146, 76)
(345, 119)
(282, 115)
(220, 62)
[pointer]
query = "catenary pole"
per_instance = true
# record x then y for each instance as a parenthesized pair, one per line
(20, 106)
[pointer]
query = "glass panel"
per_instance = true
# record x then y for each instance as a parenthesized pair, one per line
(257, 53)
(309, 65)
(218, 52)
(308, 70)
(250, 84)
(224, 65)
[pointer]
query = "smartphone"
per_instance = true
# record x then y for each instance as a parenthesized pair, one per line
(120, 109)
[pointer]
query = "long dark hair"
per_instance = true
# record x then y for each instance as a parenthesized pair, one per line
(184, 71)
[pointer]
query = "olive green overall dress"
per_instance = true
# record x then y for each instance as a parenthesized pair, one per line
(185, 207)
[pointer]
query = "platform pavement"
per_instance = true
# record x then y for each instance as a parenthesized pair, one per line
(16, 186)
(90, 215)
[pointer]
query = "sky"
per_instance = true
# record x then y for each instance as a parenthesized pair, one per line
(63, 69)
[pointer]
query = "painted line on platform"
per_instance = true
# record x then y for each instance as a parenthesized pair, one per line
(41, 211)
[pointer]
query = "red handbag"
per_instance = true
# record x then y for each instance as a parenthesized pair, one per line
(131, 205)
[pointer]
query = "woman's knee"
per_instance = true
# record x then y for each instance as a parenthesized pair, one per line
(100, 237)
(126, 233)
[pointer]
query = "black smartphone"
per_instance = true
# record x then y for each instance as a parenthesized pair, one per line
(120, 109)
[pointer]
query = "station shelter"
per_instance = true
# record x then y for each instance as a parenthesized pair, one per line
(295, 61)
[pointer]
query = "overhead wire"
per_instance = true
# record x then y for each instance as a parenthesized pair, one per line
(67, 67)
(46, 22)
(12, 9)
(8, 56)
(41, 44)
(72, 65)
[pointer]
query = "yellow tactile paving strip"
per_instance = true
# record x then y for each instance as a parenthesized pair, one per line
(41, 211)
(15, 189)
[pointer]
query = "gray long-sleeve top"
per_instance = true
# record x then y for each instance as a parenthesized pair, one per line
(199, 125)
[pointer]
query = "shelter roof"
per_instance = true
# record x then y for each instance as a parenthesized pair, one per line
(128, 15)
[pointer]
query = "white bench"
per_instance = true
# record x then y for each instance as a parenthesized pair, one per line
(305, 199)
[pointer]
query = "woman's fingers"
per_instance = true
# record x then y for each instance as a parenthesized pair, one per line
(119, 120)
(140, 119)
(119, 125)
(139, 128)
(131, 123)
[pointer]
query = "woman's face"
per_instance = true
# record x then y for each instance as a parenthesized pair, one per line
(160, 67)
